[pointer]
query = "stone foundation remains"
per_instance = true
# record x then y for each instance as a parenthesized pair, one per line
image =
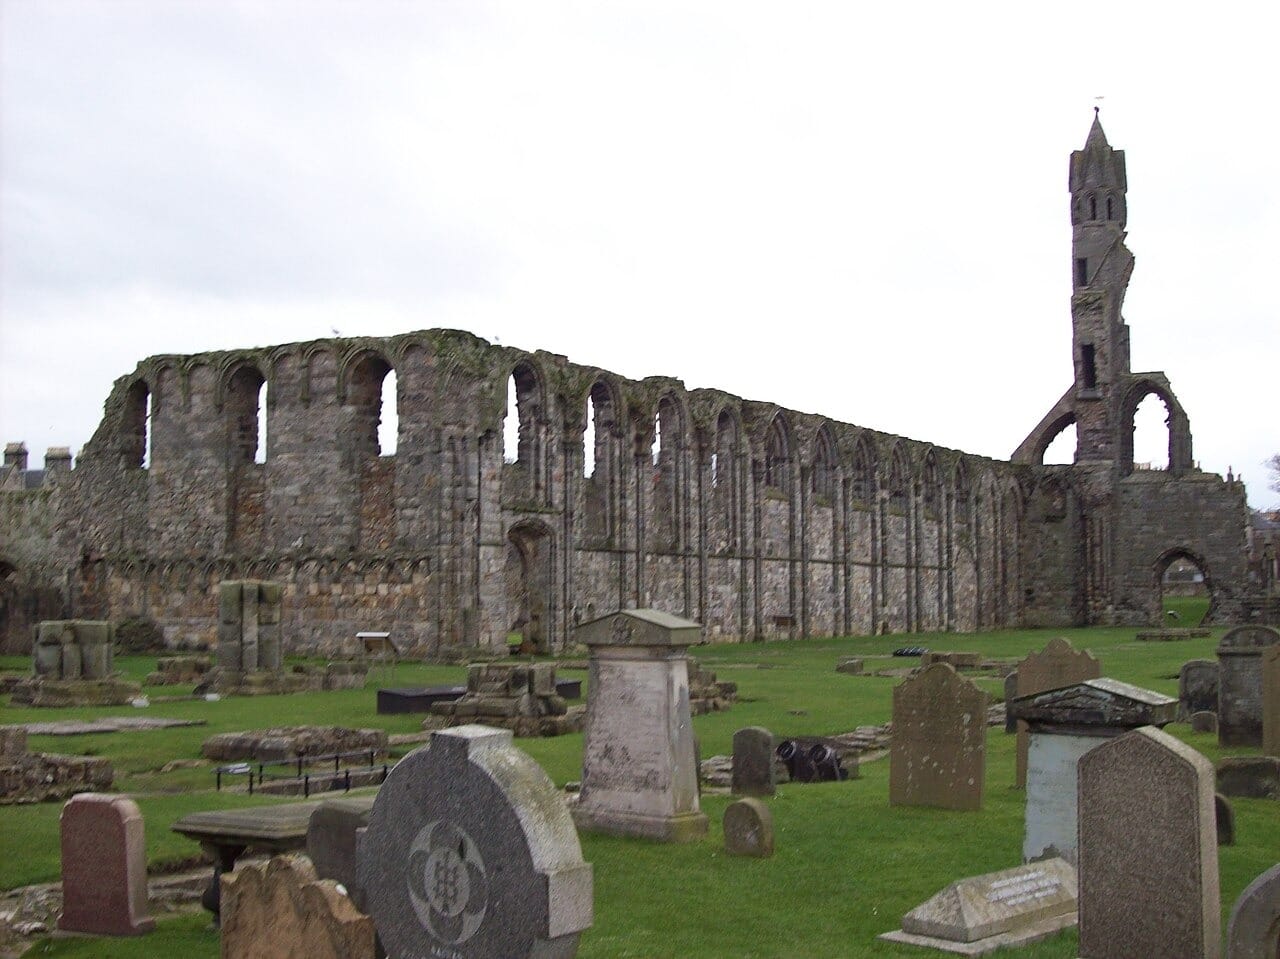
(520, 697)
(27, 777)
(179, 670)
(291, 742)
(74, 666)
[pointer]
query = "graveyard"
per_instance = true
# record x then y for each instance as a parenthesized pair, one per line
(847, 863)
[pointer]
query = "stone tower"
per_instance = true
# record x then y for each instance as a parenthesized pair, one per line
(1106, 393)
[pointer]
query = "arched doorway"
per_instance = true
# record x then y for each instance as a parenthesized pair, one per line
(1184, 591)
(528, 582)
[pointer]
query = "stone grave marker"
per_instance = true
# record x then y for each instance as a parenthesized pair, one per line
(104, 867)
(1058, 664)
(639, 771)
(470, 852)
(1271, 700)
(748, 829)
(1252, 777)
(1225, 817)
(1254, 929)
(1203, 722)
(282, 909)
(1011, 907)
(1197, 688)
(1147, 836)
(753, 770)
(331, 842)
(937, 756)
(1240, 684)
(1064, 724)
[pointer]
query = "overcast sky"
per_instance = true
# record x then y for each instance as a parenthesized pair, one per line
(859, 210)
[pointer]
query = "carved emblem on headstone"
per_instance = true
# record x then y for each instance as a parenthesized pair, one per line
(470, 852)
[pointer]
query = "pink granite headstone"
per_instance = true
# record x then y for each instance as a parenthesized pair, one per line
(104, 867)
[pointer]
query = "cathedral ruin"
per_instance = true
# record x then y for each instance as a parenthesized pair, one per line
(756, 521)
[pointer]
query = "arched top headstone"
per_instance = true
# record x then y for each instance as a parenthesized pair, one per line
(1254, 929)
(1248, 639)
(470, 852)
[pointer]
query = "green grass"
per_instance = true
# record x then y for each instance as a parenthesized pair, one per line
(847, 864)
(1190, 609)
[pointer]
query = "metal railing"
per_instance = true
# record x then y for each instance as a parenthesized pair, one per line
(302, 770)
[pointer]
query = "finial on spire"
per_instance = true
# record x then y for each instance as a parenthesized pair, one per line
(1096, 109)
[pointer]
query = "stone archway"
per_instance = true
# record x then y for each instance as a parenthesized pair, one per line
(1163, 591)
(529, 585)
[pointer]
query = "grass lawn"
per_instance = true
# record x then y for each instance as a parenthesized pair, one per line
(847, 864)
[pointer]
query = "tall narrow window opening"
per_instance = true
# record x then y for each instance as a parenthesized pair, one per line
(1082, 271)
(1088, 366)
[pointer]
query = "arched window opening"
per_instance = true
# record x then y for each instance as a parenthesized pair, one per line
(863, 481)
(1093, 208)
(589, 440)
(898, 479)
(372, 399)
(723, 525)
(1110, 208)
(136, 425)
(666, 475)
(389, 425)
(260, 447)
(822, 481)
(777, 462)
(932, 492)
(245, 411)
(511, 425)
(1062, 448)
(655, 449)
(1151, 434)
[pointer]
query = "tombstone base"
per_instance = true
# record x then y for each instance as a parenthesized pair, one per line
(980, 947)
(684, 827)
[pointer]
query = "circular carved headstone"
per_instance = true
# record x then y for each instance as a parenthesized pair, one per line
(471, 852)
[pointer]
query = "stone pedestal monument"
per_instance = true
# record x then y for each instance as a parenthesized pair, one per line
(1065, 724)
(639, 771)
(73, 664)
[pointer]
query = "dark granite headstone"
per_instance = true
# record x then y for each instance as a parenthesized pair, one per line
(470, 852)
(1240, 684)
(1197, 688)
(753, 762)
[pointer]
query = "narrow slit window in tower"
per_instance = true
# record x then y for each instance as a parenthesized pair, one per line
(1082, 271)
(1089, 366)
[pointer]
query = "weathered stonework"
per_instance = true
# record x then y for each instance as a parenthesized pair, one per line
(751, 519)
(520, 697)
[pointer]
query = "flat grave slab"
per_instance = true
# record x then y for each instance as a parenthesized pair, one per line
(419, 699)
(107, 724)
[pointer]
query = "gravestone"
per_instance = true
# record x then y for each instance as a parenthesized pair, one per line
(1271, 700)
(852, 666)
(281, 909)
(1058, 664)
(1011, 907)
(639, 772)
(1225, 817)
(1251, 777)
(753, 771)
(1254, 929)
(1197, 688)
(1240, 684)
(938, 753)
(470, 852)
(104, 867)
(1147, 837)
(1063, 725)
(748, 829)
(1204, 723)
(331, 842)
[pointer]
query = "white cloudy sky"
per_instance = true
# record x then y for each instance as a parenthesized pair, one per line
(846, 208)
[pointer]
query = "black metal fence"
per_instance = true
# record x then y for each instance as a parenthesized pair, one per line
(305, 771)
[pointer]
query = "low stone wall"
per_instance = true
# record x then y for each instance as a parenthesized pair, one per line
(298, 679)
(519, 697)
(290, 742)
(35, 777)
(179, 670)
(706, 693)
(74, 692)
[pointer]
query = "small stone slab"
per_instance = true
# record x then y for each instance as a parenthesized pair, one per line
(1204, 722)
(104, 867)
(1254, 929)
(106, 724)
(281, 909)
(470, 853)
(331, 842)
(1252, 777)
(853, 667)
(748, 829)
(1011, 907)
